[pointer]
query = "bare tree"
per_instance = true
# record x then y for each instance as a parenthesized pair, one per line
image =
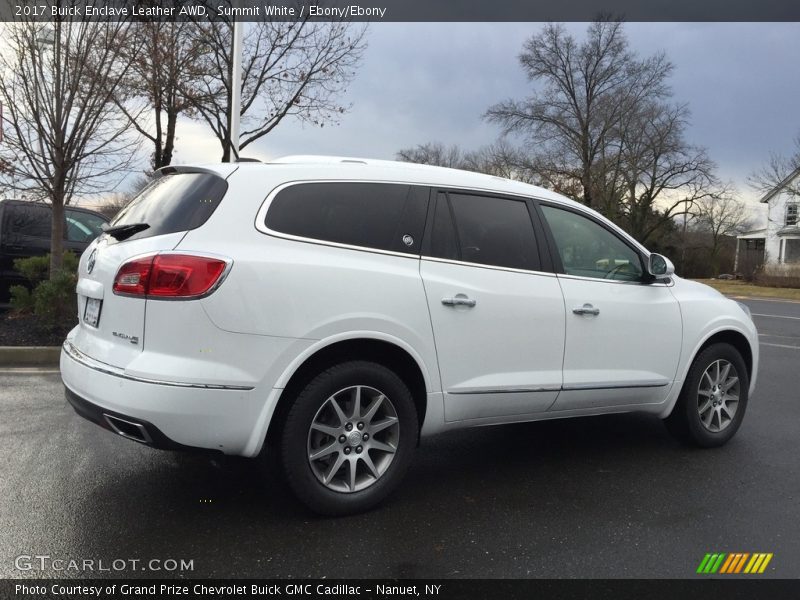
(500, 159)
(433, 153)
(720, 216)
(600, 127)
(655, 174)
(63, 134)
(289, 69)
(779, 171)
(162, 78)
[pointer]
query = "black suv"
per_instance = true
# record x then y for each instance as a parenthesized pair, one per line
(25, 231)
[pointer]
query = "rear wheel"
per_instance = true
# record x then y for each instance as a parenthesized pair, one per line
(349, 438)
(712, 403)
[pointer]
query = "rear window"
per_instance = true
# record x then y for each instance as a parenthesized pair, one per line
(175, 202)
(384, 216)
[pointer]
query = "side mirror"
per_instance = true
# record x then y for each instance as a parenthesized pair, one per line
(660, 267)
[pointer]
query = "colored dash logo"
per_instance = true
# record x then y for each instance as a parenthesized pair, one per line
(735, 562)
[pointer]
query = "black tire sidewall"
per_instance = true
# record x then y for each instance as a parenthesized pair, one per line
(694, 427)
(298, 420)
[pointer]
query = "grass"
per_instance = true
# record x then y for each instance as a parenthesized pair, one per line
(742, 288)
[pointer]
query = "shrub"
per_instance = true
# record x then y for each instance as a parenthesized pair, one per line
(782, 276)
(53, 300)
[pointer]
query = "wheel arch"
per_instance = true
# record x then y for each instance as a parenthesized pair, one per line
(729, 336)
(388, 353)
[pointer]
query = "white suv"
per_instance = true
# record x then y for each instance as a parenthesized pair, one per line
(334, 310)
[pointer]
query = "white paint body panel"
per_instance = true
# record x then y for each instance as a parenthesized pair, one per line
(503, 356)
(620, 347)
(513, 357)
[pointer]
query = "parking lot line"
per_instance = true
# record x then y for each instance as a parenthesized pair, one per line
(780, 346)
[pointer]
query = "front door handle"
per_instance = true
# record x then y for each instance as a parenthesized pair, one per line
(459, 300)
(586, 309)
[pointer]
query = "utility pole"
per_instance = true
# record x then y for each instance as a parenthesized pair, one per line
(236, 89)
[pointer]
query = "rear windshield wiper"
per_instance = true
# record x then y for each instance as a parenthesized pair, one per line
(123, 232)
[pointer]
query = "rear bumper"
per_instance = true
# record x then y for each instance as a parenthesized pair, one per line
(164, 415)
(125, 425)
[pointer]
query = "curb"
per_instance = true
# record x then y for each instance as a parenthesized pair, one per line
(29, 356)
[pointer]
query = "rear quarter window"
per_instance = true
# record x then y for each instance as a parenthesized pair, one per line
(174, 202)
(383, 216)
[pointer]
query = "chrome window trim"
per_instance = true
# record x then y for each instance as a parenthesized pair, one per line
(261, 215)
(71, 351)
(261, 218)
(658, 283)
(483, 266)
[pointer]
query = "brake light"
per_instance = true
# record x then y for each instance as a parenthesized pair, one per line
(169, 276)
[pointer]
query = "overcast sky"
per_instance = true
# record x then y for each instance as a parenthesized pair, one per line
(432, 82)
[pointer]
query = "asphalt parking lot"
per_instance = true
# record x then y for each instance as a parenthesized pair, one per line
(600, 497)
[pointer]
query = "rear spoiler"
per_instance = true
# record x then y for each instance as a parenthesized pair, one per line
(223, 170)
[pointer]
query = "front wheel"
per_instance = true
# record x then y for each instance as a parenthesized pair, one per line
(349, 438)
(713, 400)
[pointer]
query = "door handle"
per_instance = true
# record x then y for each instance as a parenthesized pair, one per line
(459, 300)
(586, 309)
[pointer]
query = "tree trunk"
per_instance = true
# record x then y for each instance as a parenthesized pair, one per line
(57, 237)
(169, 141)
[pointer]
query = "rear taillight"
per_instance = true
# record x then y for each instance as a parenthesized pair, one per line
(169, 276)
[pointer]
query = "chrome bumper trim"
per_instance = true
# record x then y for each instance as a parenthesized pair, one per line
(79, 357)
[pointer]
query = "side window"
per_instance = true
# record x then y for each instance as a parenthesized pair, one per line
(28, 220)
(588, 249)
(383, 216)
(485, 230)
(83, 226)
(791, 214)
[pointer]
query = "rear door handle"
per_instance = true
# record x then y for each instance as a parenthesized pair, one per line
(459, 300)
(586, 309)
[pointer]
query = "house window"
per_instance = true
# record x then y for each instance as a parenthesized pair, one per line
(754, 244)
(791, 214)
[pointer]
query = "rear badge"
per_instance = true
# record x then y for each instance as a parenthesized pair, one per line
(133, 339)
(91, 261)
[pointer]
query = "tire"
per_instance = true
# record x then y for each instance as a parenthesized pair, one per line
(325, 428)
(706, 414)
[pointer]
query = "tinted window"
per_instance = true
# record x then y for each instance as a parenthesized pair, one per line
(374, 215)
(488, 231)
(176, 202)
(83, 226)
(588, 249)
(32, 220)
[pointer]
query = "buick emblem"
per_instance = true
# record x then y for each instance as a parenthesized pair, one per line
(91, 261)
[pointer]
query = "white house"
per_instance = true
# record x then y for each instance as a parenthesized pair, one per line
(782, 244)
(781, 238)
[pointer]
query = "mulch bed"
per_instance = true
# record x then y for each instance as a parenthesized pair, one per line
(16, 330)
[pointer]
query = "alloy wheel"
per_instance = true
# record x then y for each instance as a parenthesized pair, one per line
(718, 395)
(353, 439)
